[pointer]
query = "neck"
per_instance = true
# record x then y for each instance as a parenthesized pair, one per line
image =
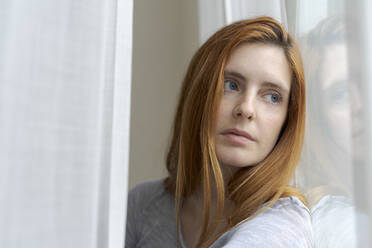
(195, 201)
(192, 209)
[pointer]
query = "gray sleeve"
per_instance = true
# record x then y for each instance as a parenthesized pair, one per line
(281, 227)
(131, 235)
(142, 213)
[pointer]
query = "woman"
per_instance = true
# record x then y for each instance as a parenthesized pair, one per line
(237, 139)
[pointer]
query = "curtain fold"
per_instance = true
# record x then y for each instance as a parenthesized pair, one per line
(359, 26)
(64, 122)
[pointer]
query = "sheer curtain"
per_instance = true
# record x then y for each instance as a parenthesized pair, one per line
(334, 173)
(65, 71)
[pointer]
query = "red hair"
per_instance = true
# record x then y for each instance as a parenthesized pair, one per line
(192, 160)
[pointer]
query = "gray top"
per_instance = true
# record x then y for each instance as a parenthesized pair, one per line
(151, 222)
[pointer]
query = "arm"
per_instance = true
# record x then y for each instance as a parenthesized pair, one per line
(131, 232)
(286, 225)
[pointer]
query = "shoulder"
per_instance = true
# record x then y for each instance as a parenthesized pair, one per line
(145, 193)
(149, 198)
(286, 224)
(290, 210)
(149, 207)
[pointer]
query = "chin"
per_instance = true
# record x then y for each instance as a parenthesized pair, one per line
(237, 163)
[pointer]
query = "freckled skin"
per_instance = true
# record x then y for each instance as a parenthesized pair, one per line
(251, 105)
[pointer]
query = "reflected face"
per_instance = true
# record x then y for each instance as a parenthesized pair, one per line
(341, 98)
(335, 95)
(254, 105)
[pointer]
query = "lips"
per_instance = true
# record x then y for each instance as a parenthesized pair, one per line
(238, 132)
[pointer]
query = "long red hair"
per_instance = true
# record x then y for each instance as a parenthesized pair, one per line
(192, 161)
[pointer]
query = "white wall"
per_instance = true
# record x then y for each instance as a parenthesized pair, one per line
(165, 36)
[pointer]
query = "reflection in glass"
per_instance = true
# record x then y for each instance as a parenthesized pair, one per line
(326, 168)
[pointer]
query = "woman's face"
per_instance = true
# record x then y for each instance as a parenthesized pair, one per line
(335, 95)
(253, 108)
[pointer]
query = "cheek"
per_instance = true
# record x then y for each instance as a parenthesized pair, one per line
(223, 112)
(339, 118)
(340, 125)
(272, 125)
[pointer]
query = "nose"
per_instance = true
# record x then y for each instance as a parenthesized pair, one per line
(357, 110)
(356, 99)
(245, 108)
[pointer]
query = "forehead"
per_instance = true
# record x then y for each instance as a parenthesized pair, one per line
(335, 65)
(262, 62)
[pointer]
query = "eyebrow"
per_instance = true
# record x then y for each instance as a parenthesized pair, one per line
(265, 84)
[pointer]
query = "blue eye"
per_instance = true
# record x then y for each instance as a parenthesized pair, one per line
(340, 96)
(273, 98)
(230, 85)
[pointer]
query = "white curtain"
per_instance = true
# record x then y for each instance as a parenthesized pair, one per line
(359, 46)
(334, 172)
(213, 14)
(65, 69)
